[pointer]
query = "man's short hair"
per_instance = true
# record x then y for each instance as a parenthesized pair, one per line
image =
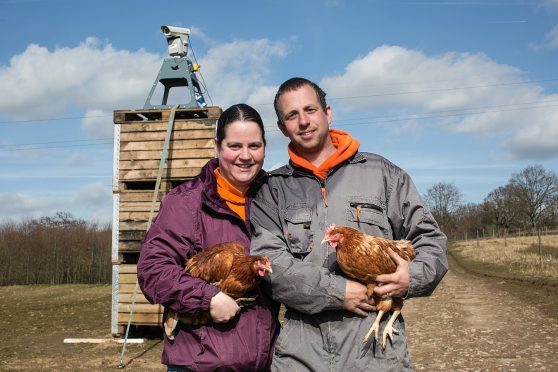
(295, 84)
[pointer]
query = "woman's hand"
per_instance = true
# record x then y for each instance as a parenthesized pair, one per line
(223, 308)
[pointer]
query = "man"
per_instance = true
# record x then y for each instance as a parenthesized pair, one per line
(328, 181)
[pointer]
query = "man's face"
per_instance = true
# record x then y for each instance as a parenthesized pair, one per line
(304, 121)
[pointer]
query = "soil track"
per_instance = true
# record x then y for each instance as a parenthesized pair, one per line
(471, 323)
(480, 323)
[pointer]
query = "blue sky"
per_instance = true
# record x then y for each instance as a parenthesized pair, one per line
(464, 92)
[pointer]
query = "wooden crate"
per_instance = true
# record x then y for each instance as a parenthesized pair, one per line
(144, 313)
(139, 137)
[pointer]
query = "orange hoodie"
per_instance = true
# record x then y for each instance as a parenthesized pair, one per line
(346, 146)
(233, 197)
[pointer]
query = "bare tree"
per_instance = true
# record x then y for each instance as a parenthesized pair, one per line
(501, 208)
(535, 191)
(443, 199)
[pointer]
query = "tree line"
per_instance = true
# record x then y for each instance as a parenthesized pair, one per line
(61, 249)
(527, 204)
(58, 249)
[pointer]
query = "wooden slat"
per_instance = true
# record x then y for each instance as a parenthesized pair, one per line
(141, 318)
(138, 196)
(127, 116)
(137, 207)
(129, 246)
(207, 153)
(129, 297)
(173, 145)
(145, 308)
(127, 269)
(133, 226)
(211, 112)
(134, 215)
(147, 174)
(177, 135)
(128, 236)
(126, 288)
(154, 164)
(179, 125)
(130, 278)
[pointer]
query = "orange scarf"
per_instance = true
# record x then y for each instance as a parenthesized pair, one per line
(346, 147)
(234, 198)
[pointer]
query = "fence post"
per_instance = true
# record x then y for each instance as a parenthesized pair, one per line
(540, 249)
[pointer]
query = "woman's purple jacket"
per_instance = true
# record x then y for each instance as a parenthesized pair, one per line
(192, 217)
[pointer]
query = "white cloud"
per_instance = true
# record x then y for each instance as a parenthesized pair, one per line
(98, 123)
(549, 5)
(462, 92)
(92, 201)
(552, 38)
(98, 79)
(261, 99)
(13, 206)
(43, 83)
(234, 70)
(93, 196)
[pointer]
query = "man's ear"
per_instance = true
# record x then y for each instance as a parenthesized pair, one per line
(329, 114)
(282, 128)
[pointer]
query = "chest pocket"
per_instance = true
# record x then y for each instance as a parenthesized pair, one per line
(298, 228)
(369, 218)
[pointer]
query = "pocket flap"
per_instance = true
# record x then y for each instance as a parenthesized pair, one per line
(298, 214)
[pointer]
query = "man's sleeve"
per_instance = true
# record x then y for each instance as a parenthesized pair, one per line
(300, 285)
(411, 220)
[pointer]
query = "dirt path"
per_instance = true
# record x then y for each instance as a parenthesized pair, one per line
(471, 323)
(477, 323)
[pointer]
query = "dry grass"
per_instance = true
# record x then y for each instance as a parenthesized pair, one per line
(512, 258)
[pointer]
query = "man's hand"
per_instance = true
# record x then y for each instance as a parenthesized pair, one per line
(356, 299)
(396, 284)
(223, 308)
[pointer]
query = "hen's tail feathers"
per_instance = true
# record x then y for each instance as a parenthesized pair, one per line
(170, 324)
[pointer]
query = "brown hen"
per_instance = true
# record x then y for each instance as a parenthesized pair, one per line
(363, 257)
(227, 266)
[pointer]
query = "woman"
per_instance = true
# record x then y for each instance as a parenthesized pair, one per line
(209, 209)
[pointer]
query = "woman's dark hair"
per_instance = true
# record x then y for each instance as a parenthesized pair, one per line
(238, 112)
(295, 84)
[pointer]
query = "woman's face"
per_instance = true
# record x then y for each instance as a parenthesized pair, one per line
(241, 153)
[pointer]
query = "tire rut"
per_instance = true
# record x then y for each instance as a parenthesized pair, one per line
(478, 323)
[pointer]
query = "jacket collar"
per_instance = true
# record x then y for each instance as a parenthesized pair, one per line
(289, 170)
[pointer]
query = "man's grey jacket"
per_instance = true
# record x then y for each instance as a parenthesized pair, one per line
(290, 217)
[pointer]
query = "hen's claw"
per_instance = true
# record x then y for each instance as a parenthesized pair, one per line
(375, 327)
(245, 301)
(388, 332)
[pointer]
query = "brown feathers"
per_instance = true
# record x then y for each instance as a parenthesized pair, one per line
(363, 257)
(227, 266)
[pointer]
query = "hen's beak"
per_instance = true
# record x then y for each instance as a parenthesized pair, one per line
(267, 268)
(325, 240)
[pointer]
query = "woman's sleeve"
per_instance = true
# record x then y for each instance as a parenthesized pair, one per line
(168, 243)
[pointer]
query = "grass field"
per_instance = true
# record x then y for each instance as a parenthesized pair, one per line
(519, 258)
(35, 319)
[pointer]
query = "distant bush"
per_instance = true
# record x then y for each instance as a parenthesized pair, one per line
(55, 250)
